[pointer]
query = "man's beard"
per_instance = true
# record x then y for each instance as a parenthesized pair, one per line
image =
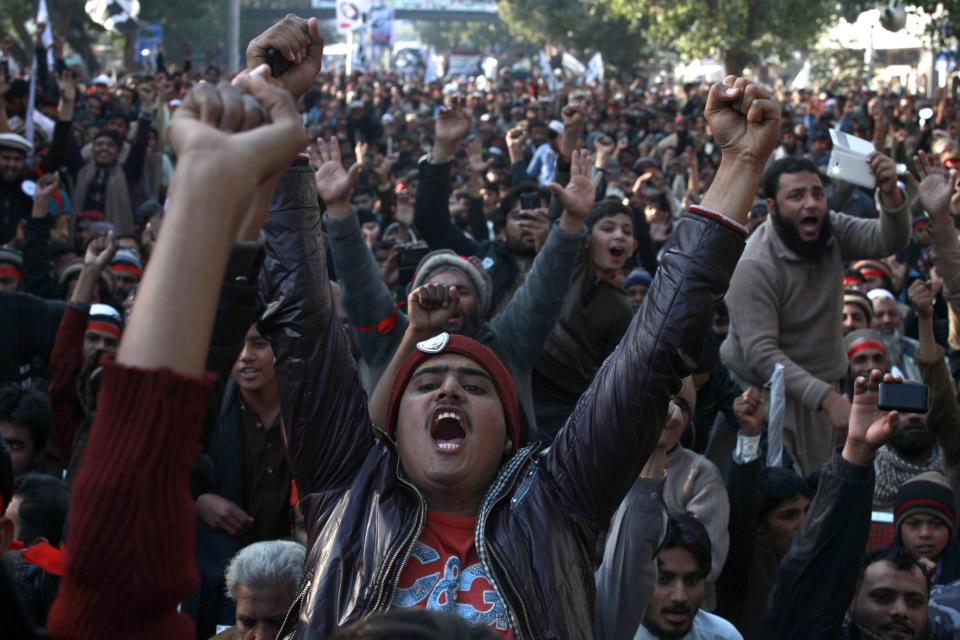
(472, 322)
(893, 345)
(787, 231)
(664, 634)
(913, 443)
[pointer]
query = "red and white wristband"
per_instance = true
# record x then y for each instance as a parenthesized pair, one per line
(722, 218)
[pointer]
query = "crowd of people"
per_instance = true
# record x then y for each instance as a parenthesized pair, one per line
(311, 355)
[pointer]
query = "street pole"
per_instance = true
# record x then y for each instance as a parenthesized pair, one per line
(233, 36)
(350, 53)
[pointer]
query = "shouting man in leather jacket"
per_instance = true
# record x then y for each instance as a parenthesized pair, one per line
(441, 507)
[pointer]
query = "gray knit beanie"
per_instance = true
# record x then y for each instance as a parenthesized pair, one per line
(446, 260)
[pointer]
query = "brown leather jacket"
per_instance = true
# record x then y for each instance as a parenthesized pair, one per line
(538, 524)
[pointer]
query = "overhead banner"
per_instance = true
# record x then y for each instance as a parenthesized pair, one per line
(381, 26)
(114, 15)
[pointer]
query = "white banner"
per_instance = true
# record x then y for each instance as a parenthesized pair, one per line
(381, 26)
(350, 14)
(113, 15)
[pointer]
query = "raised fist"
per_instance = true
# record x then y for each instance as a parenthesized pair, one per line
(300, 43)
(744, 120)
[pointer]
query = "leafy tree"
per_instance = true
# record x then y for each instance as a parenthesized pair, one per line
(741, 31)
(578, 24)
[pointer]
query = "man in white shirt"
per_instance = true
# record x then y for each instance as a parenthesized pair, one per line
(683, 563)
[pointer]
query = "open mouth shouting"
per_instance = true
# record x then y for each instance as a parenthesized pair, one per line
(809, 227)
(448, 428)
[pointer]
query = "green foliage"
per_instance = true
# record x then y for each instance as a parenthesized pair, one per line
(581, 24)
(467, 35)
(836, 69)
(742, 32)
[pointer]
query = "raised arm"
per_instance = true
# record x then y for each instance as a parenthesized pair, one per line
(616, 424)
(153, 398)
(431, 210)
(876, 238)
(37, 264)
(833, 536)
(366, 297)
(943, 418)
(525, 323)
(941, 201)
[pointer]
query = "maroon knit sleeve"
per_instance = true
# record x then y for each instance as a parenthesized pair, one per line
(66, 359)
(130, 536)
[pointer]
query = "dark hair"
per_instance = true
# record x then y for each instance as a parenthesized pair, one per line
(686, 532)
(413, 624)
(777, 485)
(513, 196)
(115, 137)
(29, 409)
(114, 115)
(791, 164)
(6, 477)
(899, 557)
(43, 507)
(607, 209)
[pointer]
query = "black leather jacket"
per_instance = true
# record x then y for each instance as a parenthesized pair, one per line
(539, 522)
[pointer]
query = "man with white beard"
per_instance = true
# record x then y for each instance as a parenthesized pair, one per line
(888, 320)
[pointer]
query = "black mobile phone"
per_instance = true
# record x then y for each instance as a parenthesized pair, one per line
(278, 64)
(408, 259)
(529, 200)
(103, 228)
(908, 398)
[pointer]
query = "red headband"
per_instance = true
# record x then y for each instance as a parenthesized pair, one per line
(11, 271)
(104, 327)
(129, 268)
(926, 502)
(866, 345)
(849, 280)
(873, 273)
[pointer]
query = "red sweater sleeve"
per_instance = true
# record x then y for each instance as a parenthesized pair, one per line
(130, 544)
(65, 362)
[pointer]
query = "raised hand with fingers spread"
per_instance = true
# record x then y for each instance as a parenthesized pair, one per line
(452, 126)
(870, 427)
(938, 191)
(579, 194)
(334, 183)
(476, 165)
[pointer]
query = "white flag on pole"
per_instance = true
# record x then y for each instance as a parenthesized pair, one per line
(113, 15)
(47, 38)
(594, 69)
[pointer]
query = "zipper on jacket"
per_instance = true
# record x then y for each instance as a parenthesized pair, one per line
(405, 548)
(296, 603)
(524, 618)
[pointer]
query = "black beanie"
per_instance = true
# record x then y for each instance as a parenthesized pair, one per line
(927, 493)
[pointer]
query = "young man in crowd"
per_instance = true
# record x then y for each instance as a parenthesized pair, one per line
(782, 310)
(857, 311)
(452, 494)
(25, 425)
(683, 562)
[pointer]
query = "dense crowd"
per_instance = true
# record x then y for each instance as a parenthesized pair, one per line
(315, 355)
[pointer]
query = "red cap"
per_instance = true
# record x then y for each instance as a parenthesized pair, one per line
(445, 344)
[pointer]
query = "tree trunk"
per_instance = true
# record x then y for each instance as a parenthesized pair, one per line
(80, 42)
(735, 61)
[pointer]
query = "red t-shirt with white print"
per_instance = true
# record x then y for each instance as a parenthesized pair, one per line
(444, 573)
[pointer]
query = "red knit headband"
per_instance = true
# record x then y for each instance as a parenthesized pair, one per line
(446, 344)
(104, 327)
(866, 345)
